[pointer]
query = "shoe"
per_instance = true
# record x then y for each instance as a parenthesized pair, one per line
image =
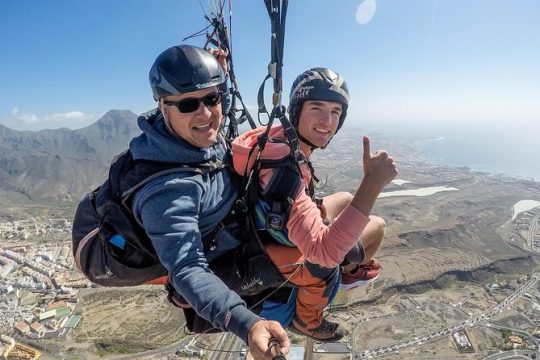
(372, 264)
(361, 276)
(327, 331)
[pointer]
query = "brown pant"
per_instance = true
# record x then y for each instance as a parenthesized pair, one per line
(315, 282)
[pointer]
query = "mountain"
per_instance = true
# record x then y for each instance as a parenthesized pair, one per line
(63, 164)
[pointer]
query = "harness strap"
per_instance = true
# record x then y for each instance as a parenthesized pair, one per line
(220, 37)
(311, 185)
(277, 11)
(244, 115)
(280, 194)
(127, 175)
(260, 99)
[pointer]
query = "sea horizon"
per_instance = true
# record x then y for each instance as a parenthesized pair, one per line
(496, 149)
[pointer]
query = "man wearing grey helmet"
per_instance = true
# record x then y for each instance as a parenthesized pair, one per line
(179, 210)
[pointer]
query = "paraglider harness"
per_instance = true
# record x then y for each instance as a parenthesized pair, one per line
(286, 179)
(219, 37)
(287, 175)
(252, 263)
(253, 260)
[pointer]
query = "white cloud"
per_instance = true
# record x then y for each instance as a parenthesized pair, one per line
(20, 120)
(67, 116)
(24, 117)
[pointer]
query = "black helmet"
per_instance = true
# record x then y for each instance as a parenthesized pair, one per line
(182, 69)
(318, 84)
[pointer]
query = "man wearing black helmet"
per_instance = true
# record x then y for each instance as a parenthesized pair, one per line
(180, 210)
(319, 236)
(307, 92)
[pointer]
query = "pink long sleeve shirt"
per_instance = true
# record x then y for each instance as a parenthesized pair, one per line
(321, 244)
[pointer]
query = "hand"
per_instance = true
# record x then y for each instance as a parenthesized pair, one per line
(379, 170)
(379, 167)
(221, 56)
(259, 337)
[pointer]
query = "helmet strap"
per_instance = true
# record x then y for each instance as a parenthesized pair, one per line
(294, 112)
(168, 126)
(306, 141)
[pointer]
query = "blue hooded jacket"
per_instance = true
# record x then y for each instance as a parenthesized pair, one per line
(177, 210)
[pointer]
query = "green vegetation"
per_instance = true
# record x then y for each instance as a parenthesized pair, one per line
(400, 336)
(448, 281)
(105, 347)
(137, 320)
(505, 333)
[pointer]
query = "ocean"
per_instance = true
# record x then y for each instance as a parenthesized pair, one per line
(512, 152)
(497, 149)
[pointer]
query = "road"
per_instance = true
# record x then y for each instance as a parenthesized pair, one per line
(229, 347)
(422, 339)
(512, 354)
(332, 348)
(532, 231)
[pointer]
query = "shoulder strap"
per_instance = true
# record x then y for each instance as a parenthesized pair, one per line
(280, 192)
(127, 175)
(203, 170)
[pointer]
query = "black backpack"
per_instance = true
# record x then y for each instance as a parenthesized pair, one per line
(110, 247)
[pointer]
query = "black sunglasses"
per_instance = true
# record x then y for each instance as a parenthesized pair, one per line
(192, 104)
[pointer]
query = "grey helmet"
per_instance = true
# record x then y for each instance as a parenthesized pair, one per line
(318, 84)
(182, 69)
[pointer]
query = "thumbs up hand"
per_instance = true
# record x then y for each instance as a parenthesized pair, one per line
(379, 167)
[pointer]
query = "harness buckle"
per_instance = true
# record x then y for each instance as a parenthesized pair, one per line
(275, 221)
(241, 205)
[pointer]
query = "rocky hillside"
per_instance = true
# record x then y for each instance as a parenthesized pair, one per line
(63, 164)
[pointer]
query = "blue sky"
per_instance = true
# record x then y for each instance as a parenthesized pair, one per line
(66, 62)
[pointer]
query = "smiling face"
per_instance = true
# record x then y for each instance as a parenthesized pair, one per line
(199, 128)
(318, 123)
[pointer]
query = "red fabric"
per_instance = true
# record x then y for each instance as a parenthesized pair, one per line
(159, 281)
(310, 301)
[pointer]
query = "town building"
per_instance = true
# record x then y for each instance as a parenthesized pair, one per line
(38, 328)
(47, 315)
(516, 340)
(22, 327)
(55, 305)
(21, 351)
